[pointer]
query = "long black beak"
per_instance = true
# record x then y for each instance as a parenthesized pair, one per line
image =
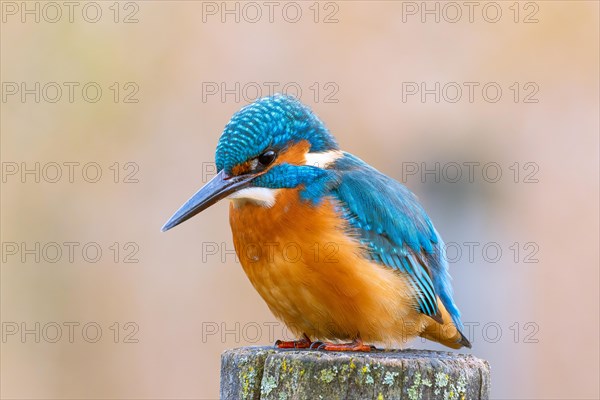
(219, 187)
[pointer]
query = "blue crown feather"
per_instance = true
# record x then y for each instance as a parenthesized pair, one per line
(271, 122)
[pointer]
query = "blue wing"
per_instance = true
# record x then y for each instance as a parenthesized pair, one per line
(391, 223)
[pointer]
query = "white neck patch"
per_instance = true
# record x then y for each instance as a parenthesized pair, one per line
(264, 197)
(322, 160)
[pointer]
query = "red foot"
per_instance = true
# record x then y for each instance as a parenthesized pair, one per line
(303, 343)
(356, 345)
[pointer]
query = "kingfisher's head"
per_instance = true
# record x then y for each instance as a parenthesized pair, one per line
(273, 144)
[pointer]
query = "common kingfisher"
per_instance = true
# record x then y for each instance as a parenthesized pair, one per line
(338, 250)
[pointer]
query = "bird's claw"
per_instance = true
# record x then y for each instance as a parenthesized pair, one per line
(356, 345)
(292, 344)
(306, 343)
(316, 345)
(303, 343)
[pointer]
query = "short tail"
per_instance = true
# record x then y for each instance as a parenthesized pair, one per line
(445, 332)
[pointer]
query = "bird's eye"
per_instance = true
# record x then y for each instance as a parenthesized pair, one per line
(266, 158)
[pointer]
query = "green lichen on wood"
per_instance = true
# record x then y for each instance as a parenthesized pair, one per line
(455, 390)
(309, 374)
(328, 374)
(248, 379)
(268, 384)
(415, 390)
(390, 377)
(242, 373)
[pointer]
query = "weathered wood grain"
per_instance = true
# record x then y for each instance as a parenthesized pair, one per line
(269, 373)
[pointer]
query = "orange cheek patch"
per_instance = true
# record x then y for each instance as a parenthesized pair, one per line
(294, 154)
(241, 168)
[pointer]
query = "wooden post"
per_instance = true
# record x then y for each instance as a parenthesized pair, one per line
(269, 373)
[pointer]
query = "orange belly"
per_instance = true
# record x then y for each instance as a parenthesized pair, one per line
(316, 279)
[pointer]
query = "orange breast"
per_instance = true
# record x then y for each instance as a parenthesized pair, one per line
(315, 278)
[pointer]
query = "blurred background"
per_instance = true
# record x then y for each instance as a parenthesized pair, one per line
(110, 115)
